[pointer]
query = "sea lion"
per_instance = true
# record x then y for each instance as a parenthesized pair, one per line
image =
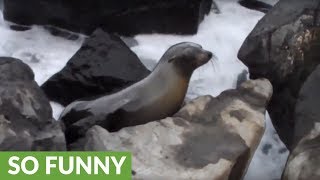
(157, 96)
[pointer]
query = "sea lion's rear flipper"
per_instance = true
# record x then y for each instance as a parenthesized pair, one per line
(78, 129)
(78, 120)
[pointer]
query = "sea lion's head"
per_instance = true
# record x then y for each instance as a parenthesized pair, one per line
(186, 57)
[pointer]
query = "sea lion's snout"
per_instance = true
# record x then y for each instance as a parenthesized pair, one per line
(203, 57)
(209, 54)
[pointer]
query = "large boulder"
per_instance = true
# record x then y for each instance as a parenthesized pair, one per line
(126, 17)
(104, 64)
(284, 47)
(26, 121)
(307, 113)
(304, 161)
(209, 138)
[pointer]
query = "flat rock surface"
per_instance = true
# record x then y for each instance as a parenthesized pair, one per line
(209, 138)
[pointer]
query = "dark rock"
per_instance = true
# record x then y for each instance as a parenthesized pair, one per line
(307, 107)
(104, 64)
(303, 162)
(266, 148)
(282, 150)
(19, 28)
(25, 113)
(126, 17)
(284, 47)
(242, 77)
(62, 33)
(256, 5)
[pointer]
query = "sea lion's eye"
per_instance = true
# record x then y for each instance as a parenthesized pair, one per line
(171, 59)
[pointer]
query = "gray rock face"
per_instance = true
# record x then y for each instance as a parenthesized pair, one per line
(126, 17)
(307, 112)
(304, 161)
(284, 47)
(26, 121)
(209, 138)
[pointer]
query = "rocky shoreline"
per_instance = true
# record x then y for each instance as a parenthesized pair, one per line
(210, 137)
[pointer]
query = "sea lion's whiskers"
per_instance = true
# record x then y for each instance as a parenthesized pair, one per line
(213, 62)
(212, 65)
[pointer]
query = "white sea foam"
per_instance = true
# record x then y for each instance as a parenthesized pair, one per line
(222, 34)
(44, 53)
